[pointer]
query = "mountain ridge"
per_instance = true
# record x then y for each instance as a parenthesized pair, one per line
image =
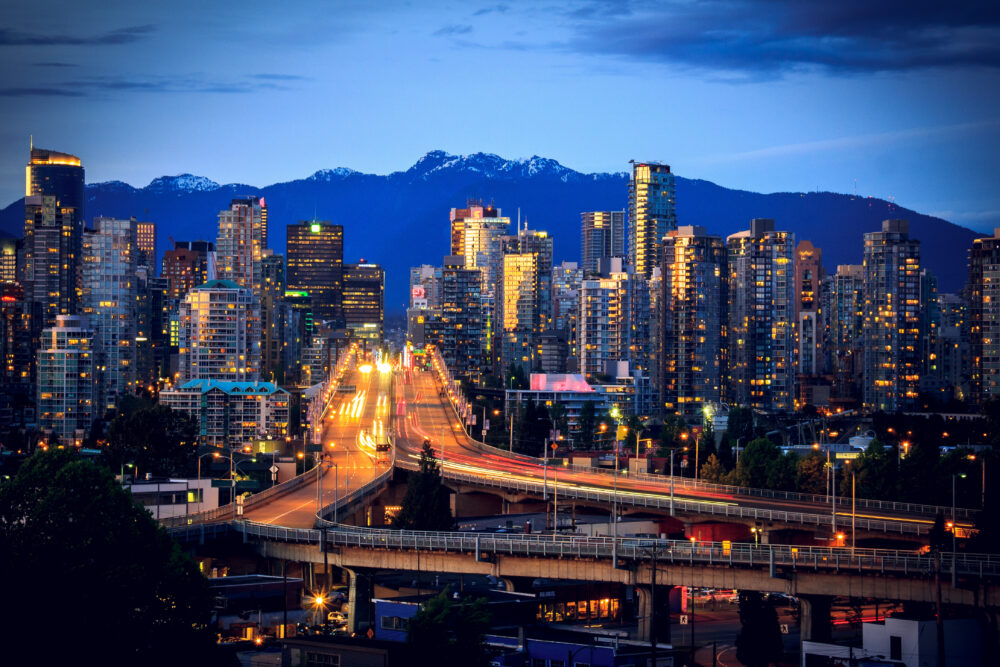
(400, 219)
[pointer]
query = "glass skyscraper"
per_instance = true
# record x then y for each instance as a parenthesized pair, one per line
(651, 199)
(316, 265)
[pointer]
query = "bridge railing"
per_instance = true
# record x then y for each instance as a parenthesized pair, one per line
(639, 550)
(659, 502)
(710, 487)
(228, 510)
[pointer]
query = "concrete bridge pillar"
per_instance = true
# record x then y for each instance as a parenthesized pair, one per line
(360, 614)
(814, 617)
(653, 620)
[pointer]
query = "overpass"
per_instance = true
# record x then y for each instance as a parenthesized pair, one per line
(813, 574)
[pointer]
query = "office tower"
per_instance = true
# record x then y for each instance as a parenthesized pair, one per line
(66, 387)
(272, 316)
(567, 279)
(460, 321)
(364, 301)
(146, 234)
(219, 337)
(846, 320)
(110, 293)
(602, 236)
(693, 298)
(952, 356)
(761, 330)
(808, 315)
(8, 261)
(425, 286)
(614, 323)
(892, 318)
(240, 242)
(651, 213)
(189, 264)
(152, 329)
(316, 265)
(53, 232)
(984, 318)
(521, 310)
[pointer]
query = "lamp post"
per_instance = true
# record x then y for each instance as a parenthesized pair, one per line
(672, 452)
(214, 454)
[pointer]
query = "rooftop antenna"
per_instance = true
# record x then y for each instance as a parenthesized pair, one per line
(518, 219)
(31, 142)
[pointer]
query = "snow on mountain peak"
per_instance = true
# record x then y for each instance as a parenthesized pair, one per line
(183, 183)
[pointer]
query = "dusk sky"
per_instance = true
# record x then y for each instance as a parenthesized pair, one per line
(783, 95)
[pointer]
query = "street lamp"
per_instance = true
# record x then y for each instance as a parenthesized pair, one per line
(213, 454)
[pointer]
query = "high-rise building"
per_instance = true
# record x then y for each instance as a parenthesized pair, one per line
(761, 329)
(240, 242)
(614, 324)
(364, 301)
(146, 235)
(219, 337)
(20, 334)
(66, 387)
(567, 280)
(110, 293)
(189, 264)
(425, 286)
(460, 319)
(53, 232)
(521, 310)
(892, 318)
(984, 318)
(8, 261)
(152, 328)
(651, 198)
(692, 330)
(272, 316)
(316, 265)
(232, 413)
(469, 218)
(846, 321)
(602, 236)
(808, 313)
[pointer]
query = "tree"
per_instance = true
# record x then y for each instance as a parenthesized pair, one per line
(782, 472)
(516, 379)
(426, 505)
(156, 439)
(874, 472)
(741, 425)
(713, 471)
(588, 424)
(446, 631)
(635, 426)
(123, 589)
(759, 642)
(754, 461)
(812, 474)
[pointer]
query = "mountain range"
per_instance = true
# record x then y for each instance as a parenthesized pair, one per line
(401, 219)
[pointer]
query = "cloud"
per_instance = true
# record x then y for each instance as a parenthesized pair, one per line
(498, 9)
(279, 77)
(39, 92)
(768, 38)
(453, 30)
(54, 65)
(127, 35)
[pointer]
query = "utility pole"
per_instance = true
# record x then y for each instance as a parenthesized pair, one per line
(672, 452)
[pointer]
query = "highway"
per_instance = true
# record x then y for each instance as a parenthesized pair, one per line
(351, 424)
(422, 413)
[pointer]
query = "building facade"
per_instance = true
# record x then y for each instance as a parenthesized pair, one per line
(110, 299)
(240, 242)
(187, 265)
(892, 318)
(219, 333)
(66, 384)
(761, 329)
(232, 413)
(846, 319)
(602, 237)
(53, 232)
(316, 265)
(652, 213)
(614, 324)
(693, 320)
(984, 318)
(364, 301)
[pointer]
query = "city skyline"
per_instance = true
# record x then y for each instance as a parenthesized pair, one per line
(765, 103)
